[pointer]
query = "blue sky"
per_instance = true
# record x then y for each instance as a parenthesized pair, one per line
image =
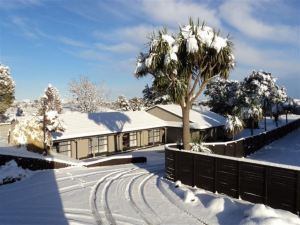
(55, 41)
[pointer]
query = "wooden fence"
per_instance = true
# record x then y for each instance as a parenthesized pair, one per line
(249, 145)
(268, 183)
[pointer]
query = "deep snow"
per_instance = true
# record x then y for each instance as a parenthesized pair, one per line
(285, 150)
(124, 194)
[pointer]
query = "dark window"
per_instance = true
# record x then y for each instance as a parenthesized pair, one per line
(64, 148)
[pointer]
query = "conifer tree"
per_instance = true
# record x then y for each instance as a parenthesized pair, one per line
(7, 89)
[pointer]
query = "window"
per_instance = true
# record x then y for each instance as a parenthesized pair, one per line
(64, 148)
(102, 144)
(132, 139)
(154, 136)
(97, 145)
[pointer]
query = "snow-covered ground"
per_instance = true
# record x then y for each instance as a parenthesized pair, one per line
(285, 150)
(10, 172)
(124, 194)
(270, 125)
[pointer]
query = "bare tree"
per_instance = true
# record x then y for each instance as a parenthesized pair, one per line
(86, 95)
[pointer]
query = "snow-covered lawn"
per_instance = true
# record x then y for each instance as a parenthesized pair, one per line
(285, 150)
(124, 194)
(270, 125)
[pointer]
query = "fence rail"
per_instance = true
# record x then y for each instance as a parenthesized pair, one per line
(249, 145)
(276, 186)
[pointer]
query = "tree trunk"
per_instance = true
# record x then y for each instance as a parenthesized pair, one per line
(186, 134)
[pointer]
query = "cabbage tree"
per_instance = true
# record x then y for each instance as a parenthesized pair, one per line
(183, 63)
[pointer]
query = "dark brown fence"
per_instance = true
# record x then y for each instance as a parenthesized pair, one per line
(32, 163)
(270, 184)
(249, 145)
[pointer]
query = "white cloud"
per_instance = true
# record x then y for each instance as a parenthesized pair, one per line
(172, 12)
(16, 4)
(71, 42)
(239, 14)
(136, 34)
(89, 54)
(27, 29)
(123, 47)
(277, 62)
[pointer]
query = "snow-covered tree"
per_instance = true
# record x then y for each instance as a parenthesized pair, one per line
(121, 104)
(184, 63)
(136, 104)
(35, 132)
(50, 101)
(86, 95)
(223, 96)
(233, 125)
(152, 96)
(7, 89)
(260, 93)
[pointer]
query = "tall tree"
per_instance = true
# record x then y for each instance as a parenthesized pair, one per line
(152, 96)
(184, 64)
(50, 101)
(223, 96)
(7, 89)
(86, 95)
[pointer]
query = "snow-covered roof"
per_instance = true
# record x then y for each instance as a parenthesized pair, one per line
(90, 124)
(199, 119)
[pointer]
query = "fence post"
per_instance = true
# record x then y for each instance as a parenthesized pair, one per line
(215, 174)
(239, 180)
(266, 178)
(298, 194)
(175, 166)
(193, 171)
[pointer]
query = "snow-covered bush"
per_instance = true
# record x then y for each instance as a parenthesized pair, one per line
(233, 125)
(7, 89)
(28, 131)
(10, 172)
(198, 146)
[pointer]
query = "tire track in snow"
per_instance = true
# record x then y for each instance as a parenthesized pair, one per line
(154, 218)
(107, 210)
(177, 204)
(143, 196)
(93, 197)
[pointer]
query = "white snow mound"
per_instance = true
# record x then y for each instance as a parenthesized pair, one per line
(189, 196)
(260, 214)
(10, 171)
(178, 184)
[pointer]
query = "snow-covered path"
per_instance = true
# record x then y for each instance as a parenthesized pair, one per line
(124, 194)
